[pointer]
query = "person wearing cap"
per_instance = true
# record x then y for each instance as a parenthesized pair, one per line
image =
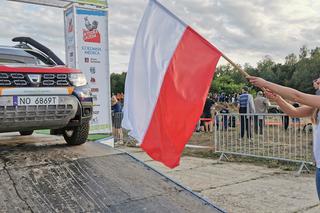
(246, 106)
(261, 105)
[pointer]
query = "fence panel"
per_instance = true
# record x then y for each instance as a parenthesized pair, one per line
(273, 136)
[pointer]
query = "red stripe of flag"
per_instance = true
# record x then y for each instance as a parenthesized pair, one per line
(181, 99)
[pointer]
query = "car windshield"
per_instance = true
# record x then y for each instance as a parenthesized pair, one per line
(17, 59)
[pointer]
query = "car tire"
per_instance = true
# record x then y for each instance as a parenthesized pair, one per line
(76, 135)
(25, 133)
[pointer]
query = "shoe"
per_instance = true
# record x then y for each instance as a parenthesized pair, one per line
(119, 142)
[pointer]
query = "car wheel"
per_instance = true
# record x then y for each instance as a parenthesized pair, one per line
(24, 133)
(76, 135)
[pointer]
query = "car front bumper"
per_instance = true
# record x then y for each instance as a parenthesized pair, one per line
(31, 117)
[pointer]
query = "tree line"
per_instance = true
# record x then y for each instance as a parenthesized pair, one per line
(298, 71)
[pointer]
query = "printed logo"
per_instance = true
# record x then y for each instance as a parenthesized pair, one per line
(94, 120)
(94, 61)
(94, 89)
(70, 25)
(93, 80)
(86, 60)
(94, 98)
(92, 70)
(34, 78)
(91, 33)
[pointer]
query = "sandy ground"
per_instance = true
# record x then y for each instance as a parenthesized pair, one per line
(242, 187)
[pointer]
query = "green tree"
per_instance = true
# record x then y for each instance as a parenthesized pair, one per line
(117, 82)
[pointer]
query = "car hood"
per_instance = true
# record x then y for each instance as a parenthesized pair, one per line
(27, 68)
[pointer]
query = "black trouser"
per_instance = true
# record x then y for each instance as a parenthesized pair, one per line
(245, 123)
(258, 124)
(285, 122)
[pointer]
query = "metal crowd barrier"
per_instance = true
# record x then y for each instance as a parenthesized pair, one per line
(270, 136)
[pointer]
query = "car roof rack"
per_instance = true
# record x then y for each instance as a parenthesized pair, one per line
(40, 47)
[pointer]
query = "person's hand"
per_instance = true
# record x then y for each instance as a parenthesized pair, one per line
(258, 82)
(271, 95)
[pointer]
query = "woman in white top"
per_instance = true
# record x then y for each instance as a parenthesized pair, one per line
(311, 106)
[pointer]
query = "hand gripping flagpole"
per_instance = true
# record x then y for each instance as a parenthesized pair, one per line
(244, 73)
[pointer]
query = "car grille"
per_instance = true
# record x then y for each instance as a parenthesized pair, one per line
(20, 118)
(13, 114)
(22, 80)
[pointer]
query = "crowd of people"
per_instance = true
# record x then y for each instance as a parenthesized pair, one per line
(243, 103)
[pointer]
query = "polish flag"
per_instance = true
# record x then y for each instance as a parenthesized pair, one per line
(169, 75)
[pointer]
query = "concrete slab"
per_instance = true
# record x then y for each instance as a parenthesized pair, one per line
(312, 209)
(186, 163)
(279, 193)
(243, 187)
(218, 175)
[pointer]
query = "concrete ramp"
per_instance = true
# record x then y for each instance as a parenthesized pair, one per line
(42, 174)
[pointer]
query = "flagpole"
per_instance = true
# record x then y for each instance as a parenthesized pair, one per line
(244, 73)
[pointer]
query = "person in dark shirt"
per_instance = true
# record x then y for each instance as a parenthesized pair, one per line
(207, 114)
(225, 110)
(117, 116)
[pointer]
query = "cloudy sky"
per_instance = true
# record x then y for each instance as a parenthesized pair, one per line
(246, 31)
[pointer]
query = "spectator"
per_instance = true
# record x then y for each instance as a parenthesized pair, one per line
(222, 97)
(225, 110)
(261, 105)
(207, 114)
(116, 120)
(296, 121)
(245, 106)
(316, 85)
(215, 119)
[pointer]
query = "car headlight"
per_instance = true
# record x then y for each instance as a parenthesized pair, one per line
(77, 79)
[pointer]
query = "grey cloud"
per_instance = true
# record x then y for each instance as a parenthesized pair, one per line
(247, 30)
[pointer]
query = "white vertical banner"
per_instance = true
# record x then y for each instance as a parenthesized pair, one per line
(69, 23)
(87, 49)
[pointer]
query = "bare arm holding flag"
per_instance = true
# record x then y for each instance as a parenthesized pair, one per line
(287, 92)
(312, 102)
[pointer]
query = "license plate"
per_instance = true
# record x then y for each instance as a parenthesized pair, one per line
(35, 100)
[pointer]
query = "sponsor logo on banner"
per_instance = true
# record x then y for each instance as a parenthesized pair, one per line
(92, 70)
(94, 61)
(95, 97)
(95, 120)
(91, 33)
(86, 60)
(70, 25)
(93, 80)
(94, 89)
(89, 50)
